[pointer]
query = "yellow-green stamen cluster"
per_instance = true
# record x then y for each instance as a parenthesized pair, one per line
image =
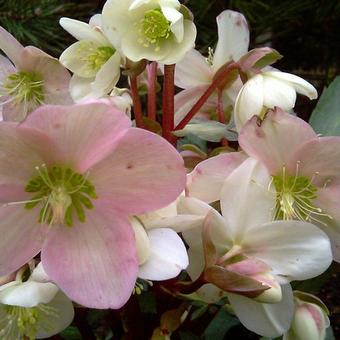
(25, 87)
(61, 194)
(295, 197)
(22, 323)
(154, 28)
(99, 57)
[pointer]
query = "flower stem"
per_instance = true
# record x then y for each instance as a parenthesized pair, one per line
(190, 287)
(219, 81)
(137, 106)
(152, 77)
(168, 103)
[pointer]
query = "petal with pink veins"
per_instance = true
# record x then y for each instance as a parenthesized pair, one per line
(295, 250)
(205, 181)
(11, 47)
(84, 133)
(275, 140)
(233, 38)
(95, 262)
(143, 173)
(22, 237)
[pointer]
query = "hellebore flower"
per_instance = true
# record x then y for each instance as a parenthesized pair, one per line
(94, 61)
(310, 318)
(195, 73)
(29, 79)
(305, 169)
(161, 252)
(69, 178)
(156, 30)
(265, 91)
(33, 309)
(250, 257)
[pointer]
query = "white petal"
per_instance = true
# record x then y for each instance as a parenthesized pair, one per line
(249, 101)
(28, 294)
(192, 71)
(142, 241)
(39, 274)
(278, 93)
(80, 88)
(176, 19)
(233, 38)
(96, 21)
(300, 85)
(11, 47)
(245, 199)
(295, 250)
(55, 317)
(270, 320)
(82, 31)
(168, 256)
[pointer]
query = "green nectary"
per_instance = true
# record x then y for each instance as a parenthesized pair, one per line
(61, 194)
(25, 87)
(99, 57)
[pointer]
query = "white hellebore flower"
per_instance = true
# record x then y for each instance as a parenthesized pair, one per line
(265, 91)
(251, 258)
(94, 61)
(33, 309)
(157, 30)
(195, 73)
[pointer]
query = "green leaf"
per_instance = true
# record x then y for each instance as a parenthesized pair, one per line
(147, 303)
(199, 312)
(329, 334)
(71, 333)
(188, 336)
(325, 118)
(220, 325)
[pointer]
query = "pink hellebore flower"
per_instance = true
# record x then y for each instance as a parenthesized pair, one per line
(69, 178)
(29, 79)
(305, 169)
(251, 258)
(195, 73)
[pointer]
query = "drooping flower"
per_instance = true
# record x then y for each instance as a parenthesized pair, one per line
(267, 90)
(305, 169)
(310, 318)
(79, 172)
(29, 79)
(33, 308)
(156, 30)
(250, 257)
(194, 73)
(94, 61)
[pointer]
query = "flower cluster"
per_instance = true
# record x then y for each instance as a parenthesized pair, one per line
(107, 205)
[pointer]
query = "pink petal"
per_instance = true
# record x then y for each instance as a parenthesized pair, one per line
(144, 173)
(84, 133)
(22, 237)
(276, 140)
(17, 158)
(95, 262)
(192, 71)
(11, 47)
(321, 156)
(205, 181)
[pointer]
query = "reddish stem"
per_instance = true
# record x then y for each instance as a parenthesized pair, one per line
(137, 106)
(168, 103)
(217, 82)
(152, 77)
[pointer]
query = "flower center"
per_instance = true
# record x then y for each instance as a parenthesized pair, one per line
(22, 322)
(154, 28)
(63, 194)
(295, 198)
(99, 56)
(25, 87)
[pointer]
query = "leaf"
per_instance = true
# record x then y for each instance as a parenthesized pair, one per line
(71, 333)
(329, 334)
(147, 303)
(199, 312)
(152, 126)
(220, 325)
(325, 118)
(188, 336)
